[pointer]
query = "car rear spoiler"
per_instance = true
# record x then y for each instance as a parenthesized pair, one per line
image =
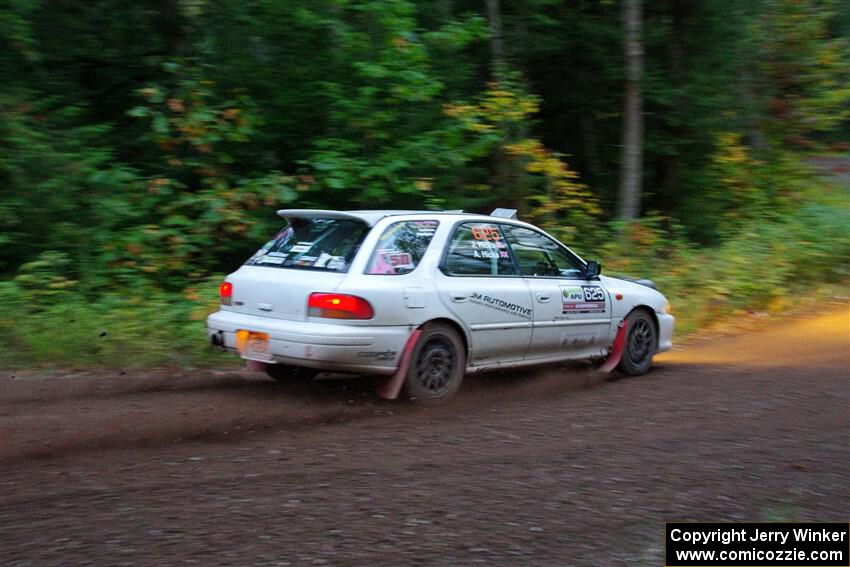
(369, 218)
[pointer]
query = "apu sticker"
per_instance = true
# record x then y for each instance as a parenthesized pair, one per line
(583, 299)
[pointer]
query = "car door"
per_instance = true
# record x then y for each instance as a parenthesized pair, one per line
(572, 316)
(479, 284)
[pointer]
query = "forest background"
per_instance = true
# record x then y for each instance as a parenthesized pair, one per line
(145, 146)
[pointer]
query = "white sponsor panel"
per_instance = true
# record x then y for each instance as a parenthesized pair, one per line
(583, 299)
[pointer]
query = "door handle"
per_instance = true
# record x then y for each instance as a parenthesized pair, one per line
(543, 297)
(458, 297)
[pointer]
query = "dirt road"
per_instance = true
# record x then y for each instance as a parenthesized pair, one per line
(555, 467)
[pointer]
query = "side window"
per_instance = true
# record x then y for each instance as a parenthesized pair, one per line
(540, 256)
(401, 247)
(478, 249)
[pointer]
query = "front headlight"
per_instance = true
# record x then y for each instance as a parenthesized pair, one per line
(668, 309)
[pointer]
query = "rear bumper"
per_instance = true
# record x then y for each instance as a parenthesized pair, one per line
(325, 346)
(666, 323)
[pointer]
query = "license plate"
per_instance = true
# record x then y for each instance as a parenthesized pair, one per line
(253, 345)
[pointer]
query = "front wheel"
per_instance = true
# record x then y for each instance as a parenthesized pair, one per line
(437, 365)
(641, 344)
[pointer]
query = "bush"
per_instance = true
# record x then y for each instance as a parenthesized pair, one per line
(764, 266)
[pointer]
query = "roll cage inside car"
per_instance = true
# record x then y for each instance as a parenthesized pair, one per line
(500, 222)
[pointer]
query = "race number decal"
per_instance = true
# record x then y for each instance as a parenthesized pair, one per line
(486, 233)
(593, 293)
(583, 299)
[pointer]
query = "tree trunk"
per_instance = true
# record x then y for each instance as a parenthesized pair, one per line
(628, 206)
(503, 174)
(670, 162)
(587, 130)
(171, 26)
(497, 46)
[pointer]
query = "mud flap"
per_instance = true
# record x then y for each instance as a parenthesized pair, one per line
(255, 365)
(391, 388)
(617, 352)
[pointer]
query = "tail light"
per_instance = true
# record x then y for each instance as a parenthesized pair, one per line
(225, 293)
(339, 306)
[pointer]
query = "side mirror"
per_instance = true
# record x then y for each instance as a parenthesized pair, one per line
(593, 269)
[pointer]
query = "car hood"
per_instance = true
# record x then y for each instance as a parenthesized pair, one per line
(635, 293)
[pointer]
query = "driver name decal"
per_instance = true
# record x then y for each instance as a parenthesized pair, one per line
(488, 243)
(583, 299)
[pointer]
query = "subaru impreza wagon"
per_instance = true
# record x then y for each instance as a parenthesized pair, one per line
(424, 298)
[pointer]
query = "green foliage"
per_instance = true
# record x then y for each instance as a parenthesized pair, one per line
(198, 199)
(524, 174)
(384, 118)
(805, 71)
(765, 265)
(52, 176)
(45, 280)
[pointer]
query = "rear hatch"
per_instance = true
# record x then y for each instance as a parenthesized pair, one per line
(308, 255)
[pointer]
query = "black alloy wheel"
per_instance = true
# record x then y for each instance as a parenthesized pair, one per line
(437, 365)
(641, 343)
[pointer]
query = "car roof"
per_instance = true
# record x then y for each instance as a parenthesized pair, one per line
(370, 217)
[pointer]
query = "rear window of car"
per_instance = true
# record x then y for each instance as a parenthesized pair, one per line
(313, 244)
(401, 247)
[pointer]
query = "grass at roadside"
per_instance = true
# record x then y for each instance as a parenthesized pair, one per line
(132, 329)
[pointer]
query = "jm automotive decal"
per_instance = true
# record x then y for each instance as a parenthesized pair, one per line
(500, 305)
(583, 299)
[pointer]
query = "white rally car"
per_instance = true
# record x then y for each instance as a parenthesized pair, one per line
(425, 297)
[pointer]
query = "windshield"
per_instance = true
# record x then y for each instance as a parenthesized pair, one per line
(313, 244)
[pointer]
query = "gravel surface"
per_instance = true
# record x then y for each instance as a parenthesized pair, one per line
(553, 467)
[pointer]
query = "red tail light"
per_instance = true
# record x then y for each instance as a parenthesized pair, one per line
(339, 306)
(225, 292)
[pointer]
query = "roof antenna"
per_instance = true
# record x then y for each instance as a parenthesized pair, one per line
(504, 213)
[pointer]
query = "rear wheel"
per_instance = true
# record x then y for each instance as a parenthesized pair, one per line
(641, 343)
(286, 373)
(437, 365)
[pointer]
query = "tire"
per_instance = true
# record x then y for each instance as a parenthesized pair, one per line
(286, 373)
(641, 343)
(437, 365)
